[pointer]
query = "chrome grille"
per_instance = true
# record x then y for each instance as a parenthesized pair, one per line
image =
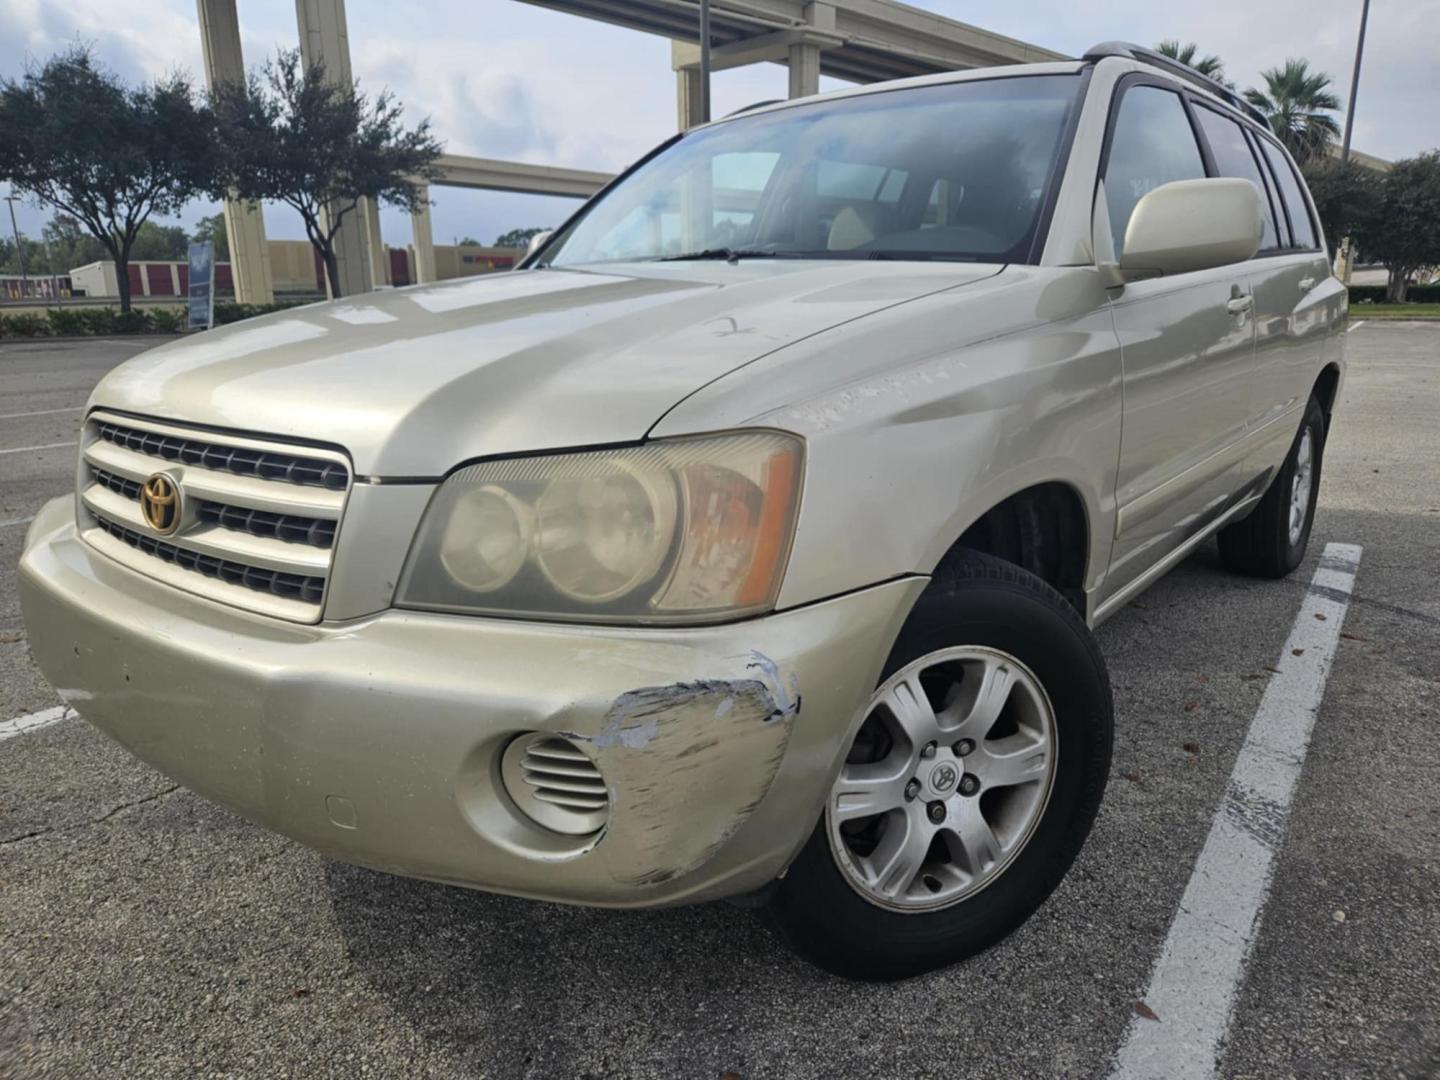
(243, 461)
(317, 532)
(258, 519)
(308, 589)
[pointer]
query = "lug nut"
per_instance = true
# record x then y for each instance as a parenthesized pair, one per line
(929, 750)
(969, 785)
(937, 812)
(964, 748)
(912, 789)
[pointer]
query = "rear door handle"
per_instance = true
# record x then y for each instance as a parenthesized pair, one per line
(1306, 284)
(1239, 305)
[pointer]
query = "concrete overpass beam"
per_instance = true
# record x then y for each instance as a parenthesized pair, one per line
(324, 39)
(244, 222)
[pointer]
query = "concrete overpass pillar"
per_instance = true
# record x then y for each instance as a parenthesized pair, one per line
(325, 39)
(244, 222)
(424, 240)
(687, 97)
(804, 59)
(375, 245)
(804, 70)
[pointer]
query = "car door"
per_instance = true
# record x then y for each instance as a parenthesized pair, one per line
(1297, 307)
(1187, 346)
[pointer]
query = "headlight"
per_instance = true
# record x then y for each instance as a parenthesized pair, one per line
(682, 530)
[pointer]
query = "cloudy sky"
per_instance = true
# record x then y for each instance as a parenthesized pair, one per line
(502, 79)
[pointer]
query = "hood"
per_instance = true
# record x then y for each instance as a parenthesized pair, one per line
(414, 381)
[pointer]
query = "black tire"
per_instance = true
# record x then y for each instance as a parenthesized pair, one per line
(987, 602)
(1259, 545)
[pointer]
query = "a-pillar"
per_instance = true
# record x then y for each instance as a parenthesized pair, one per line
(325, 40)
(424, 240)
(244, 224)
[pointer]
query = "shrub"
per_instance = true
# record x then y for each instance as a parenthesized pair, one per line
(232, 312)
(24, 325)
(166, 320)
(66, 322)
(1375, 294)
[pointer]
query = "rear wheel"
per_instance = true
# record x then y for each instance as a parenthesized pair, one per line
(969, 788)
(1271, 540)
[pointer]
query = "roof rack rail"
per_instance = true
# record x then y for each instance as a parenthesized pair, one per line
(753, 106)
(1155, 58)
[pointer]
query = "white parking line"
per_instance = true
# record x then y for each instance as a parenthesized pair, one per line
(20, 725)
(38, 412)
(42, 446)
(17, 521)
(1355, 326)
(1194, 983)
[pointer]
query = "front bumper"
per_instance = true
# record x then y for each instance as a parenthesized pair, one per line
(377, 740)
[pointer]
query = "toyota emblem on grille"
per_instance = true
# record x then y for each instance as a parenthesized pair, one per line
(160, 503)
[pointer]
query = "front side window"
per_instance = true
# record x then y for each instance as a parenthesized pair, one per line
(1234, 158)
(954, 171)
(1152, 144)
(1302, 232)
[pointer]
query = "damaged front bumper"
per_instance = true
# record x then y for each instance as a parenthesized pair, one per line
(378, 740)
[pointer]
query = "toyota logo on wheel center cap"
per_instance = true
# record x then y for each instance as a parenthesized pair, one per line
(943, 778)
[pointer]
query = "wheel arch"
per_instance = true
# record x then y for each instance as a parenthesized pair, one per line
(1044, 528)
(1327, 387)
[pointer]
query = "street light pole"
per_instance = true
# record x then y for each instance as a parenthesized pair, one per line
(19, 251)
(705, 61)
(1355, 82)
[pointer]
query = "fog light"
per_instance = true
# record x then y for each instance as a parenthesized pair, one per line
(555, 784)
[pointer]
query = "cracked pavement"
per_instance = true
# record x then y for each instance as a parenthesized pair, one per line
(147, 933)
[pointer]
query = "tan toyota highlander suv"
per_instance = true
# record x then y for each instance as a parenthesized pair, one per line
(748, 540)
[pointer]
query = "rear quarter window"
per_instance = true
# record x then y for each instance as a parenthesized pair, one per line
(1297, 208)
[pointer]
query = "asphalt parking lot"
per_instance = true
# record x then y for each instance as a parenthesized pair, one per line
(144, 932)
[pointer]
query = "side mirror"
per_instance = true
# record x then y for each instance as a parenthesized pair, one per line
(1192, 225)
(537, 242)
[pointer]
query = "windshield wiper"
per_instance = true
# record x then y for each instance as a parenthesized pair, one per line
(732, 255)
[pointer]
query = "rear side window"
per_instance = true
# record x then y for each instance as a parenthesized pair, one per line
(1233, 157)
(1302, 231)
(1152, 144)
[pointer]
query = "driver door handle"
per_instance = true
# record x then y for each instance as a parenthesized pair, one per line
(1306, 284)
(1239, 305)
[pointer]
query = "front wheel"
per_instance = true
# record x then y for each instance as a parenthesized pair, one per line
(969, 788)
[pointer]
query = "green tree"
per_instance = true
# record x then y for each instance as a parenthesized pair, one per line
(1212, 65)
(468, 241)
(69, 244)
(518, 238)
(160, 243)
(10, 262)
(1403, 231)
(1298, 103)
(212, 228)
(1345, 196)
(289, 135)
(108, 155)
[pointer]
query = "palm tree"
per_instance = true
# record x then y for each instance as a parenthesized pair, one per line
(1297, 102)
(1212, 66)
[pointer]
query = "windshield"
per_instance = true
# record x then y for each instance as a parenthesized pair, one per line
(954, 171)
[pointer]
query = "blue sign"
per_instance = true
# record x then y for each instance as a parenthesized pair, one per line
(201, 298)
